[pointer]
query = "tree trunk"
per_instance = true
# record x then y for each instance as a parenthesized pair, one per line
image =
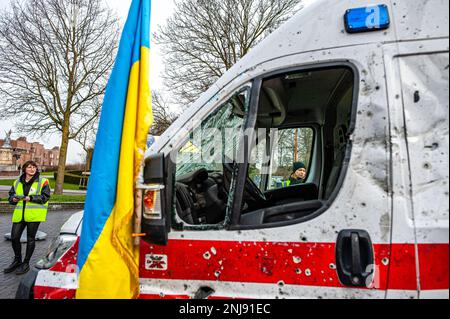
(62, 158)
(296, 146)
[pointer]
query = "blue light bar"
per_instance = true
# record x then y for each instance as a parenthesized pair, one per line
(365, 19)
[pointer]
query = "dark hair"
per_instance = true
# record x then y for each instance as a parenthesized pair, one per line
(30, 163)
(298, 165)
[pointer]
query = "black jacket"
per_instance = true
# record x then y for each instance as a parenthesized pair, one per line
(37, 199)
(295, 181)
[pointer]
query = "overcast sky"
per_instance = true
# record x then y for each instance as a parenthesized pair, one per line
(161, 10)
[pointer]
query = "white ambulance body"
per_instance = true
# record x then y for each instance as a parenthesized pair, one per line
(371, 219)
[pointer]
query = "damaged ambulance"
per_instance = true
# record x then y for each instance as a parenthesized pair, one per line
(355, 90)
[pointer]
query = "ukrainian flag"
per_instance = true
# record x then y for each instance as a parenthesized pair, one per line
(107, 259)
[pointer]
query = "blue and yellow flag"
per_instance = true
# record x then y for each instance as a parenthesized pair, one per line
(107, 259)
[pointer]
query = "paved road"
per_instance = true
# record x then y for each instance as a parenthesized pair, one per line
(10, 282)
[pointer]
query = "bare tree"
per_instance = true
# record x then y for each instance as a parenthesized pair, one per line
(162, 116)
(55, 57)
(204, 38)
(86, 138)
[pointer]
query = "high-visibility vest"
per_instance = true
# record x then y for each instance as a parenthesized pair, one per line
(33, 212)
(286, 183)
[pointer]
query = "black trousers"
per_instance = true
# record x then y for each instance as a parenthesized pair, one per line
(16, 233)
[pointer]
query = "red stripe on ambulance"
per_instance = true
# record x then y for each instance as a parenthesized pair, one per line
(41, 292)
(308, 264)
(433, 262)
(304, 264)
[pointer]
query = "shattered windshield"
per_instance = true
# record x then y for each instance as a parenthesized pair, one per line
(216, 140)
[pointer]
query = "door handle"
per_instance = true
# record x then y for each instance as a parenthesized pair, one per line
(354, 255)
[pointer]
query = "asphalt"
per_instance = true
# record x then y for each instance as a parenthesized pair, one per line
(10, 282)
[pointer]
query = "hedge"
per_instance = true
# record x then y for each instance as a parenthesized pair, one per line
(73, 177)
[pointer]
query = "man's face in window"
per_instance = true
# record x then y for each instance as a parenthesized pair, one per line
(300, 173)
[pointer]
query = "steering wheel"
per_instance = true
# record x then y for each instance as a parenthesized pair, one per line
(250, 187)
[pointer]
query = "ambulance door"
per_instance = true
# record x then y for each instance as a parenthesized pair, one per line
(237, 231)
(417, 77)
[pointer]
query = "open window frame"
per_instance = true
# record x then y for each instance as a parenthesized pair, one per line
(242, 169)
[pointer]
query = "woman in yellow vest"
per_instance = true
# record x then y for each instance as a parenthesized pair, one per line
(30, 194)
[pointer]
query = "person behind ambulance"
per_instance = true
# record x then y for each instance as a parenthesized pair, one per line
(298, 175)
(30, 194)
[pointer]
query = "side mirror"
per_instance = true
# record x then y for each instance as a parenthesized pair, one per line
(154, 224)
(154, 169)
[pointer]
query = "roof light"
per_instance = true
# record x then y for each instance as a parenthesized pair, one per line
(365, 19)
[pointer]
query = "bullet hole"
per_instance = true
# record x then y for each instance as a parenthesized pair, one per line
(332, 266)
(363, 204)
(308, 272)
(298, 271)
(304, 239)
(416, 97)
(217, 274)
(207, 255)
(296, 260)
(377, 88)
(281, 292)
(359, 112)
(433, 146)
(280, 283)
(369, 114)
(397, 96)
(355, 280)
(185, 287)
(427, 165)
(385, 261)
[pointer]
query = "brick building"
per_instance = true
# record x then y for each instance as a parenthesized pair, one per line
(22, 151)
